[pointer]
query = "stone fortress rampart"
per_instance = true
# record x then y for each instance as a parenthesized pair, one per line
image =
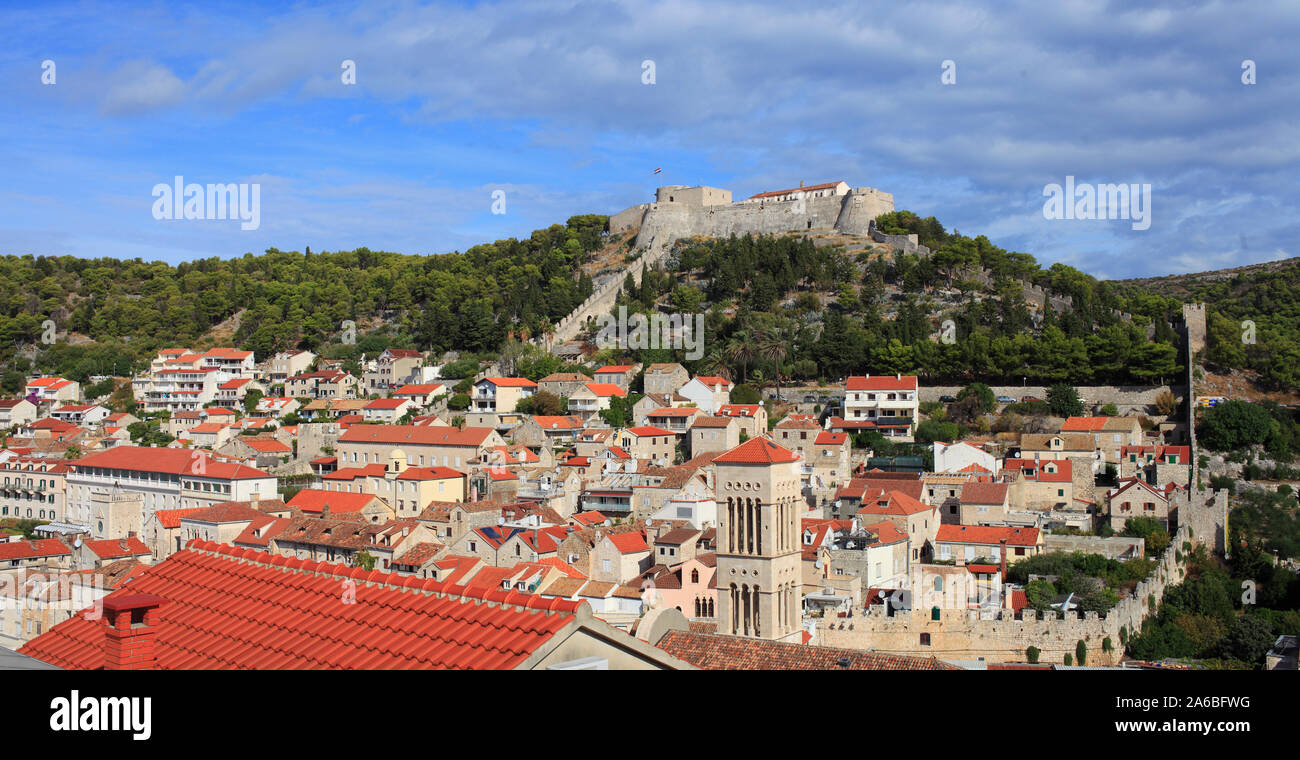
(683, 212)
(996, 634)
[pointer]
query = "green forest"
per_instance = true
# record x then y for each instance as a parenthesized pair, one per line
(468, 301)
(784, 308)
(1252, 317)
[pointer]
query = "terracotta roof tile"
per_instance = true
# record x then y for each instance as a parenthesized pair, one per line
(716, 652)
(274, 613)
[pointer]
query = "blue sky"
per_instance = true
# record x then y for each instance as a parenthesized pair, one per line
(545, 101)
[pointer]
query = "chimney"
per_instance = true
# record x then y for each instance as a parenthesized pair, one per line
(325, 511)
(1004, 559)
(130, 621)
(253, 502)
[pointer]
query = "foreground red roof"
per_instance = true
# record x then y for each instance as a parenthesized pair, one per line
(227, 608)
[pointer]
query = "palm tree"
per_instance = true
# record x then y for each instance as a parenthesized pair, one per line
(717, 364)
(741, 349)
(774, 345)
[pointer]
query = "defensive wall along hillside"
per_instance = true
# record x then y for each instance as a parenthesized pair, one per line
(996, 635)
(683, 212)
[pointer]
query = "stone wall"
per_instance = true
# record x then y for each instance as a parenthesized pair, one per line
(1114, 547)
(1125, 397)
(997, 635)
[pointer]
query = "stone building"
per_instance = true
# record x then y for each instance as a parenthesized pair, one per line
(759, 575)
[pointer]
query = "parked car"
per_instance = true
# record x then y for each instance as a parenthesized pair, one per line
(1006, 400)
(947, 399)
(1027, 399)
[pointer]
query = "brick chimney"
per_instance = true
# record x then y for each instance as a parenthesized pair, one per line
(325, 511)
(130, 623)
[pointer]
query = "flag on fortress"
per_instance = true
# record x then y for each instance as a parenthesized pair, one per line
(658, 170)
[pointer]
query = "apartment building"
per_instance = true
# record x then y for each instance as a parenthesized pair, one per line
(420, 445)
(177, 389)
(16, 412)
(665, 378)
(393, 368)
(407, 490)
(33, 488)
(45, 391)
(500, 395)
(287, 364)
(707, 392)
(882, 398)
(593, 398)
(161, 478)
(322, 384)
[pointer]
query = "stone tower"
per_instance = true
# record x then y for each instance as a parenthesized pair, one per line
(759, 504)
(1194, 319)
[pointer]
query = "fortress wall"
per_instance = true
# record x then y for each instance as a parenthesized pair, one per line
(627, 219)
(997, 636)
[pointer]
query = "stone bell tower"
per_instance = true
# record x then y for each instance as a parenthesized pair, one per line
(759, 506)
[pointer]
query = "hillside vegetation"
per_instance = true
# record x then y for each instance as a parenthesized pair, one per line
(123, 311)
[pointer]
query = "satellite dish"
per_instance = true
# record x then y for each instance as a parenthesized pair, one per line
(76, 544)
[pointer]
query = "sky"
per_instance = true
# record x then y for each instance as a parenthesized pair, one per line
(469, 122)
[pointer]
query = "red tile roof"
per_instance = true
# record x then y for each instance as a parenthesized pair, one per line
(892, 503)
(417, 389)
(313, 500)
(426, 435)
(117, 548)
(630, 542)
(738, 410)
(984, 493)
(606, 389)
(235, 608)
(266, 445)
(986, 534)
(881, 383)
(41, 547)
(172, 461)
(614, 369)
(171, 518)
(717, 652)
(757, 451)
(510, 382)
(554, 422)
(809, 188)
(648, 430)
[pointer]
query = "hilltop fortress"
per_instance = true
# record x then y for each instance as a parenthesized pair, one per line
(680, 212)
(683, 212)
